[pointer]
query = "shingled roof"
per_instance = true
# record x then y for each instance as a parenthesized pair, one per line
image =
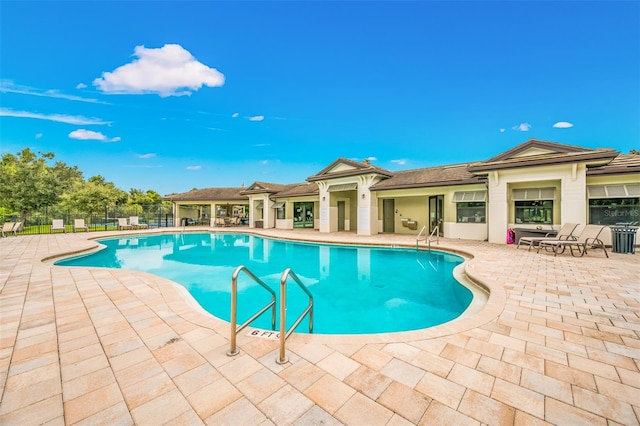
(209, 194)
(622, 164)
(543, 153)
(456, 174)
(298, 190)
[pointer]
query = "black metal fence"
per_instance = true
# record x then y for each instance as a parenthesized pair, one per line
(154, 216)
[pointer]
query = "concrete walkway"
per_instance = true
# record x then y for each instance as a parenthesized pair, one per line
(557, 343)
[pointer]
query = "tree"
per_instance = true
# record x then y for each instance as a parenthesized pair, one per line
(28, 183)
(141, 198)
(93, 195)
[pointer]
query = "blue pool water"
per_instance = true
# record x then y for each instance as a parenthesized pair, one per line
(355, 289)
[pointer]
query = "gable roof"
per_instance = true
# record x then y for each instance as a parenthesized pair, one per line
(538, 153)
(263, 188)
(209, 194)
(343, 167)
(456, 174)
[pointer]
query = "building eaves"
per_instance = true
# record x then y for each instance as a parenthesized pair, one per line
(622, 164)
(358, 170)
(603, 155)
(536, 143)
(263, 188)
(209, 194)
(298, 190)
(429, 177)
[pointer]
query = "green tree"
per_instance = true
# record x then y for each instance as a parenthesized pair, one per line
(141, 198)
(93, 196)
(29, 183)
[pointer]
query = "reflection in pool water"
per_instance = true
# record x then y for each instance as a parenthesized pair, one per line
(355, 289)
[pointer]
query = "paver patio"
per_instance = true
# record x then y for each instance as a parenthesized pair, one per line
(558, 342)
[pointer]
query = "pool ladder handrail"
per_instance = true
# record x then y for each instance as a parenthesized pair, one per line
(436, 232)
(424, 228)
(282, 358)
(233, 349)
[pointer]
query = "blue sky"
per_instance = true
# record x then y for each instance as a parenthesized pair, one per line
(175, 95)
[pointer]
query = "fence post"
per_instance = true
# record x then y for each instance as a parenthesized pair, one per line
(106, 216)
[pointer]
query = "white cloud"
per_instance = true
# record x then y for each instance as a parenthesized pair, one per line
(563, 125)
(235, 115)
(264, 162)
(401, 162)
(502, 130)
(81, 86)
(261, 144)
(167, 71)
(86, 135)
(61, 118)
(194, 167)
(38, 135)
(371, 159)
(8, 86)
(149, 155)
(256, 118)
(524, 127)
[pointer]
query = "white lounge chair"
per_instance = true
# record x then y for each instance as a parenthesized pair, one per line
(8, 227)
(135, 223)
(588, 238)
(565, 233)
(79, 224)
(122, 224)
(58, 225)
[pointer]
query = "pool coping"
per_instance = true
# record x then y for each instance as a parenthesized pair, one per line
(471, 318)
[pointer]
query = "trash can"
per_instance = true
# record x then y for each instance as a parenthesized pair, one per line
(623, 238)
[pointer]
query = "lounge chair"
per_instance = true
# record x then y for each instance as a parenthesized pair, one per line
(8, 227)
(220, 222)
(565, 233)
(135, 224)
(588, 238)
(122, 224)
(79, 224)
(58, 225)
(235, 221)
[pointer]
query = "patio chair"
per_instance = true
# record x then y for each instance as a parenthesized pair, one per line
(565, 233)
(135, 224)
(235, 221)
(122, 224)
(79, 224)
(588, 238)
(58, 225)
(8, 227)
(220, 222)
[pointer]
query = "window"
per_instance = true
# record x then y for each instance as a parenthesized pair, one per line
(609, 211)
(540, 211)
(279, 210)
(471, 212)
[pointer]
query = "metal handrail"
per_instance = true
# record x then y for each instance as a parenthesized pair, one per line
(437, 233)
(282, 359)
(424, 228)
(233, 350)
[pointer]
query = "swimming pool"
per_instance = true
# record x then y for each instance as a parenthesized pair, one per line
(356, 290)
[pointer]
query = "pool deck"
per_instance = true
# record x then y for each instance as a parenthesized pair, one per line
(557, 343)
